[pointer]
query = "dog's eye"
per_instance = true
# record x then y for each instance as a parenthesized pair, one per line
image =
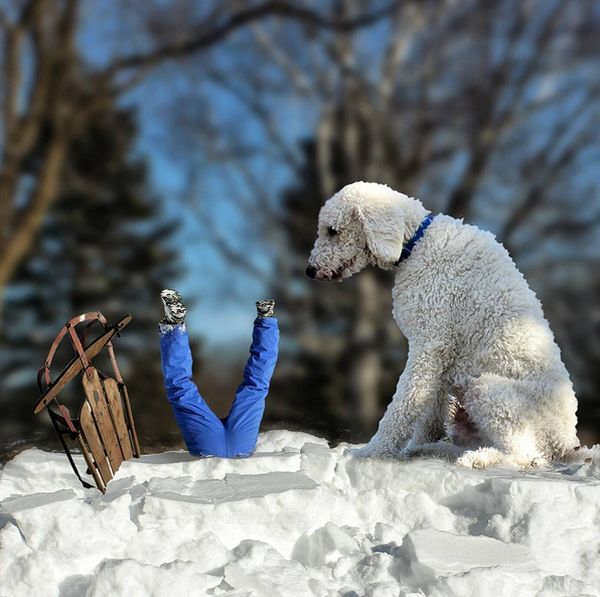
(331, 231)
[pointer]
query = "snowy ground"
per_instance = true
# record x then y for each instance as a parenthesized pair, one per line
(298, 519)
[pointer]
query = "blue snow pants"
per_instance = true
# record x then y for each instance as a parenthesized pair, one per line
(204, 433)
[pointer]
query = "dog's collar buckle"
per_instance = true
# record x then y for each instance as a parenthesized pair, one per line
(410, 245)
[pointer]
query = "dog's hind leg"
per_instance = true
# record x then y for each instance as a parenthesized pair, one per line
(505, 412)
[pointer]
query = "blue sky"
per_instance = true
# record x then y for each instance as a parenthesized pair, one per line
(214, 314)
(217, 313)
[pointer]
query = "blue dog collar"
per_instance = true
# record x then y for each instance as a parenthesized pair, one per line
(410, 245)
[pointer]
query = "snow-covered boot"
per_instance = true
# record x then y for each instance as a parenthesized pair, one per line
(175, 310)
(265, 308)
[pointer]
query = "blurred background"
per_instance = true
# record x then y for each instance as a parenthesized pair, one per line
(190, 144)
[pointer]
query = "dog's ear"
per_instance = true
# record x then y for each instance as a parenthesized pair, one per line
(383, 224)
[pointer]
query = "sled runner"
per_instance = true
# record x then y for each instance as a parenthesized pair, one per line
(104, 430)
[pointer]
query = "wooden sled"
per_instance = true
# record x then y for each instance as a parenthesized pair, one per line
(104, 429)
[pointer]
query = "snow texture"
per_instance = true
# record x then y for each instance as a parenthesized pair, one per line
(299, 518)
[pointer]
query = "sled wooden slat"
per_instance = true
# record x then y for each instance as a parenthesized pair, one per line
(89, 461)
(96, 398)
(75, 366)
(130, 422)
(94, 442)
(115, 404)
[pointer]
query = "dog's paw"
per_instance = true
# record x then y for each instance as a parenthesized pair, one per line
(364, 452)
(481, 458)
(371, 451)
(439, 449)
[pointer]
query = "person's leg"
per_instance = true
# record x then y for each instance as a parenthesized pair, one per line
(246, 413)
(202, 430)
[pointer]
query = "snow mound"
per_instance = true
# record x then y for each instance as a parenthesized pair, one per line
(298, 518)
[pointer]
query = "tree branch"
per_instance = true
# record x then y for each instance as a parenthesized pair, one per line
(555, 165)
(279, 8)
(494, 121)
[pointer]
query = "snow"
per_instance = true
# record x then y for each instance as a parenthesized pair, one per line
(298, 518)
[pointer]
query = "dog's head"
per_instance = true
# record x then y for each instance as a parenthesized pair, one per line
(360, 225)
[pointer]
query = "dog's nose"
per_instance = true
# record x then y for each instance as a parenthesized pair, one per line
(311, 271)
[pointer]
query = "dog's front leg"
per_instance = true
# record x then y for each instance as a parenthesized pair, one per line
(412, 411)
(433, 423)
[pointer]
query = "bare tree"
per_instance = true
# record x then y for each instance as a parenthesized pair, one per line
(49, 93)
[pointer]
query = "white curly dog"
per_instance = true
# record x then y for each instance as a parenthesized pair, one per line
(484, 380)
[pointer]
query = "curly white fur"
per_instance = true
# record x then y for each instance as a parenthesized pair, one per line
(479, 344)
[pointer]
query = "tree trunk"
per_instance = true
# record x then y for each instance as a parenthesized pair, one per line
(9, 174)
(26, 228)
(365, 367)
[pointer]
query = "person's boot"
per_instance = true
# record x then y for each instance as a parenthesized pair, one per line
(174, 308)
(265, 308)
